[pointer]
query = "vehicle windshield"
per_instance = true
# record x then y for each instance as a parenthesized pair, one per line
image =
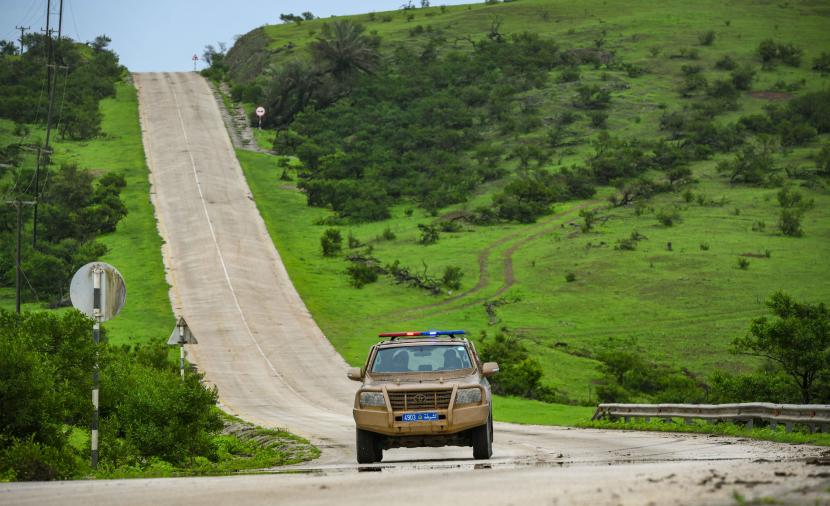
(427, 358)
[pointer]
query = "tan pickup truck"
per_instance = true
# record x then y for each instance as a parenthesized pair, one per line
(423, 389)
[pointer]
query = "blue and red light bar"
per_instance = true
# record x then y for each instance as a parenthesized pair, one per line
(428, 333)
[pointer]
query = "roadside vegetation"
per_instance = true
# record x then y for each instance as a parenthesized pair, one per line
(95, 205)
(628, 185)
(724, 429)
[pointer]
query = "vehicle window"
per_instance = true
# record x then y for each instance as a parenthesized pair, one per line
(425, 358)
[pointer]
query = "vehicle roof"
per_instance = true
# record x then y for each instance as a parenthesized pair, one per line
(422, 341)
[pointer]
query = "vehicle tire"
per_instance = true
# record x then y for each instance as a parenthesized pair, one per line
(367, 447)
(483, 441)
(378, 450)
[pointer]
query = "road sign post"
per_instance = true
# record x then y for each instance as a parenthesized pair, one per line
(260, 112)
(98, 291)
(181, 335)
(195, 59)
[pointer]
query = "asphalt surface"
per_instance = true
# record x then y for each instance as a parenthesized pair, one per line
(273, 366)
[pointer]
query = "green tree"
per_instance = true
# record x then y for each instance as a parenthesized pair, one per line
(797, 338)
(345, 49)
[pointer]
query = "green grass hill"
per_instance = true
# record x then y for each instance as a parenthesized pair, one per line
(706, 252)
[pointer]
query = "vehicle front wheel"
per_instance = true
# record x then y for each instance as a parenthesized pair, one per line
(368, 447)
(483, 441)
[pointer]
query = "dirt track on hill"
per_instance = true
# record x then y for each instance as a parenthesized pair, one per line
(273, 366)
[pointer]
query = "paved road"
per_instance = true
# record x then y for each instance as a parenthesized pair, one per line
(273, 366)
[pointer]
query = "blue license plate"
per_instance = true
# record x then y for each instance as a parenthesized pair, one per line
(419, 417)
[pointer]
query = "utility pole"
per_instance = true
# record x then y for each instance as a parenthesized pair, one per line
(22, 32)
(60, 20)
(50, 82)
(18, 204)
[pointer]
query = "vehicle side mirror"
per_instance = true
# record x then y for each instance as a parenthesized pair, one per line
(355, 373)
(489, 368)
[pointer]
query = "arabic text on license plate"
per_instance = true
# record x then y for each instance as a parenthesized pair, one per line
(419, 417)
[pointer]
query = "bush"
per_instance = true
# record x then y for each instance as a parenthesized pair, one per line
(388, 234)
(822, 63)
(155, 412)
(742, 78)
(570, 277)
(789, 222)
(28, 460)
(668, 217)
(769, 384)
(452, 277)
(770, 52)
(589, 217)
(362, 273)
(592, 97)
(726, 63)
(354, 242)
(706, 38)
(429, 234)
(743, 263)
(331, 242)
(519, 374)
(599, 119)
(569, 75)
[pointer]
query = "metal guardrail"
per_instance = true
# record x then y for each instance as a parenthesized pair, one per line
(814, 416)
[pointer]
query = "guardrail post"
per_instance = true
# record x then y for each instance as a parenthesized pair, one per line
(773, 424)
(788, 426)
(627, 418)
(647, 419)
(749, 424)
(688, 421)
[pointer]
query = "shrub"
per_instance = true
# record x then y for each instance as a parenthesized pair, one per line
(743, 263)
(704, 246)
(450, 226)
(362, 273)
(723, 89)
(156, 412)
(570, 277)
(589, 217)
(429, 234)
(331, 242)
(668, 217)
(789, 222)
(822, 63)
(452, 277)
(354, 242)
(629, 243)
(599, 119)
(28, 460)
(706, 38)
(388, 234)
(770, 52)
(592, 97)
(726, 63)
(823, 161)
(569, 75)
(519, 374)
(742, 78)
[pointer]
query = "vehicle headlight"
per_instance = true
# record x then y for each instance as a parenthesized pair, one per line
(373, 399)
(468, 396)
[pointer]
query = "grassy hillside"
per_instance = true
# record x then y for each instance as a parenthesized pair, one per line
(135, 247)
(684, 303)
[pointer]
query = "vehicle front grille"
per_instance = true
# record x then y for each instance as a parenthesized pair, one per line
(423, 399)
